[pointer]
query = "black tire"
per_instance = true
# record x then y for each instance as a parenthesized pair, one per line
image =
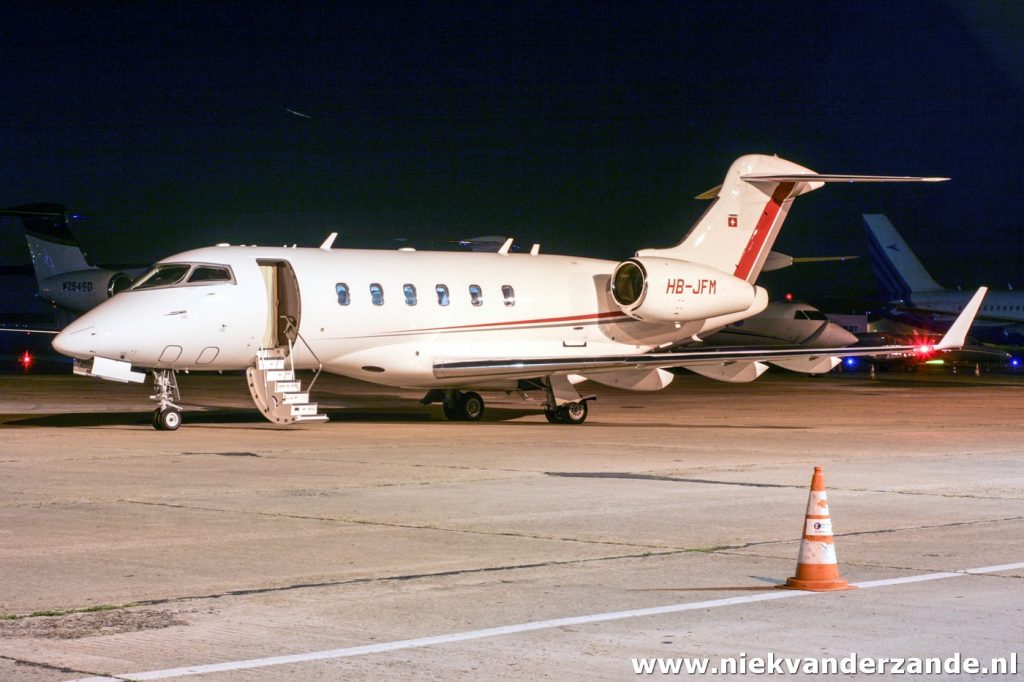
(572, 413)
(471, 406)
(155, 420)
(552, 416)
(452, 412)
(169, 419)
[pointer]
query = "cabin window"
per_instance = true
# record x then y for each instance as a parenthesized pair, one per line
(476, 296)
(509, 294)
(811, 315)
(343, 295)
(410, 294)
(203, 274)
(377, 294)
(442, 294)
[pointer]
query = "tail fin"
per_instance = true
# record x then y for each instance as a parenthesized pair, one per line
(53, 247)
(738, 230)
(897, 269)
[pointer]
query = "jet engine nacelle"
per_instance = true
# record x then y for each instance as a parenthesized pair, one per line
(83, 289)
(668, 290)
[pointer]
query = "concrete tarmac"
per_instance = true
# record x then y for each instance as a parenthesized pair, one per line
(456, 548)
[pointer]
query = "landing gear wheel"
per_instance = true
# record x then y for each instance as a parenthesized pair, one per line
(167, 419)
(452, 412)
(471, 406)
(569, 413)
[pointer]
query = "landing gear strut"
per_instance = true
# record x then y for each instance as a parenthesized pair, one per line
(564, 404)
(167, 416)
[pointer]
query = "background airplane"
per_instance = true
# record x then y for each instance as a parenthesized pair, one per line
(783, 323)
(906, 284)
(64, 274)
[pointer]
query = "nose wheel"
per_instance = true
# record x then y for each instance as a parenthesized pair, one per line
(167, 416)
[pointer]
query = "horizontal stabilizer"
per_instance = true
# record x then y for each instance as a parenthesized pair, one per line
(833, 177)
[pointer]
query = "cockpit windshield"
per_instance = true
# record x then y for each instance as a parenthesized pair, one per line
(183, 274)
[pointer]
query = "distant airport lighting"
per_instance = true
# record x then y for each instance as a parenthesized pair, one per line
(26, 360)
(1014, 362)
(850, 362)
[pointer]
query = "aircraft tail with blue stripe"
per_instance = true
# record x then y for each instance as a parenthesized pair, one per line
(899, 273)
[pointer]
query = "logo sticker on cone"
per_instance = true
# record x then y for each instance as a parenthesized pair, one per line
(816, 567)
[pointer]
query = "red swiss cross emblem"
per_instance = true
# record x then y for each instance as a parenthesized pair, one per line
(734, 220)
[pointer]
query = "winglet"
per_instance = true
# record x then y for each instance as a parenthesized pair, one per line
(957, 334)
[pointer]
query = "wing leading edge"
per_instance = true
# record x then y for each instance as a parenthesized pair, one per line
(523, 368)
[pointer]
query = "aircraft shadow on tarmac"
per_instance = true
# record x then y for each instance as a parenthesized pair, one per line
(393, 415)
(222, 416)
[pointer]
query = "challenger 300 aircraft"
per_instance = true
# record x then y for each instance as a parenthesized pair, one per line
(457, 323)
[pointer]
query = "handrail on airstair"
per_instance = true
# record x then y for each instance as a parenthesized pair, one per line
(290, 325)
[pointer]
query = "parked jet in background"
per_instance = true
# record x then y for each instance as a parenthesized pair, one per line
(66, 278)
(906, 283)
(785, 324)
(454, 323)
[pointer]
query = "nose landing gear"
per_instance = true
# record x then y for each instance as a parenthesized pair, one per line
(167, 416)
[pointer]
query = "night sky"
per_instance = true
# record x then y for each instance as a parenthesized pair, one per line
(587, 127)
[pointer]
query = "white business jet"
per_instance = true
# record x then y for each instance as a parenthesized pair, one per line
(457, 323)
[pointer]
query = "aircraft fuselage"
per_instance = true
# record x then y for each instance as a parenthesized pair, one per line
(381, 316)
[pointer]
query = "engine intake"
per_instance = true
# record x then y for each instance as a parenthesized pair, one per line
(669, 290)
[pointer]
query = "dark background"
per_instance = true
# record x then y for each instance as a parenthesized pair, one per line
(587, 127)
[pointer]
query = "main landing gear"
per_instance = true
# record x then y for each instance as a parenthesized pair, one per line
(569, 413)
(459, 406)
(167, 416)
(562, 406)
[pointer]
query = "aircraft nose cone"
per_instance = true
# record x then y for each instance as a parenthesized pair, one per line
(837, 336)
(75, 341)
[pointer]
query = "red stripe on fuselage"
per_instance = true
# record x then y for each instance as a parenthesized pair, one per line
(762, 230)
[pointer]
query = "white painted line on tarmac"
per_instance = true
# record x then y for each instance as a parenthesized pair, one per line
(524, 627)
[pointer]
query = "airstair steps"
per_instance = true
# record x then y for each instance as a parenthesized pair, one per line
(276, 391)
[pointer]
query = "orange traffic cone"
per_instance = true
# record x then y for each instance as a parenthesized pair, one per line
(816, 567)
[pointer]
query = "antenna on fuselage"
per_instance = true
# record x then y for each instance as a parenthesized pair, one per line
(329, 242)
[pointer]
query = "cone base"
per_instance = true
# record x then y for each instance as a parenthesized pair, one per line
(817, 585)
